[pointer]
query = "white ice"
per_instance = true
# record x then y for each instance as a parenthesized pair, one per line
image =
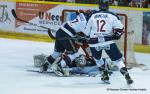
(16, 56)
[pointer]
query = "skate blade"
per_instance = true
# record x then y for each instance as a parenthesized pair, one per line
(105, 82)
(130, 83)
(57, 73)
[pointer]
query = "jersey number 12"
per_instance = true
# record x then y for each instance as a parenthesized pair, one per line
(100, 25)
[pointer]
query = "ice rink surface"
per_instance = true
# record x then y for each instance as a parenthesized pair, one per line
(16, 56)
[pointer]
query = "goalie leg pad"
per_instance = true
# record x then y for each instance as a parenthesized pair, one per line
(65, 68)
(39, 60)
(47, 63)
(56, 68)
(60, 67)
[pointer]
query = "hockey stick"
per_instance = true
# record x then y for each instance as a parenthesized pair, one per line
(49, 31)
(32, 70)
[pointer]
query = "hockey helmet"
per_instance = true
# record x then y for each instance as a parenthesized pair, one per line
(80, 61)
(104, 5)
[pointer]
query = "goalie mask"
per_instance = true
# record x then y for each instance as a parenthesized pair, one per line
(80, 61)
(104, 5)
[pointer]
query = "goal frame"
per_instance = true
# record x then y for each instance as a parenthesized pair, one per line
(125, 30)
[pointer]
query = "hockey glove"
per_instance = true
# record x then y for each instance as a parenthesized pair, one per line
(80, 38)
(117, 34)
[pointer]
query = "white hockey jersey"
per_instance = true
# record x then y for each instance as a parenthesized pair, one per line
(75, 26)
(102, 24)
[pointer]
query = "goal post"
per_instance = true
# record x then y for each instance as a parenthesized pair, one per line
(125, 44)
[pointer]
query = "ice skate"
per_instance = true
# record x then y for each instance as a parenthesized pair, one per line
(128, 79)
(105, 77)
(126, 74)
(57, 69)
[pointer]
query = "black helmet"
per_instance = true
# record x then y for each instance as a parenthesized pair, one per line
(104, 4)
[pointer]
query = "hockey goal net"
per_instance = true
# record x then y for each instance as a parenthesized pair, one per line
(125, 43)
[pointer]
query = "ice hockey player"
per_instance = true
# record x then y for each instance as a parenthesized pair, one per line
(60, 56)
(66, 37)
(101, 24)
(81, 66)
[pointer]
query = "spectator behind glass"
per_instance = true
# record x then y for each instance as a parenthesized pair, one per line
(124, 2)
(87, 1)
(139, 3)
(145, 4)
(148, 3)
(133, 3)
(115, 2)
(57, 0)
(73, 1)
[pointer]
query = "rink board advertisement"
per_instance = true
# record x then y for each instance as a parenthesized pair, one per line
(6, 18)
(40, 14)
(146, 28)
(48, 15)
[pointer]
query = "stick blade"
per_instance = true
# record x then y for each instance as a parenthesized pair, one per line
(14, 13)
